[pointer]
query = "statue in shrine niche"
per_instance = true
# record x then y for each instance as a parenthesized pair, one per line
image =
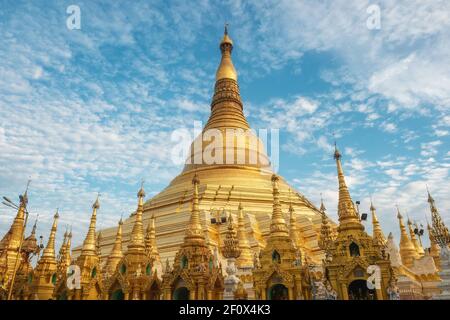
(331, 294)
(393, 290)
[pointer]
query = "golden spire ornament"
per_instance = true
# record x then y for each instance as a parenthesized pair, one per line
(194, 232)
(226, 104)
(439, 229)
(435, 250)
(278, 226)
(150, 239)
(49, 251)
(378, 235)
(90, 243)
(13, 238)
(348, 216)
(64, 243)
(137, 234)
(407, 250)
(69, 243)
(246, 257)
(44, 275)
(293, 228)
(116, 253)
(226, 68)
(414, 240)
(89, 262)
(231, 244)
(326, 233)
(62, 262)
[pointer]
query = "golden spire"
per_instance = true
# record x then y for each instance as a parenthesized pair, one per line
(226, 68)
(293, 228)
(326, 234)
(69, 240)
(414, 240)
(167, 268)
(439, 229)
(33, 231)
(32, 236)
(435, 250)
(378, 235)
(194, 232)
(64, 258)
(278, 226)
(30, 244)
(322, 205)
(116, 252)
(137, 234)
(348, 217)
(246, 256)
(14, 236)
(227, 115)
(49, 251)
(66, 236)
(62, 249)
(231, 244)
(150, 238)
(226, 104)
(89, 245)
(407, 250)
(68, 256)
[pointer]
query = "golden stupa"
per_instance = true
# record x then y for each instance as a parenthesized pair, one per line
(223, 186)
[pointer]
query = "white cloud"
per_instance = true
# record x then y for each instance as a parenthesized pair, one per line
(2, 137)
(302, 105)
(294, 148)
(323, 144)
(373, 116)
(413, 80)
(38, 72)
(430, 148)
(394, 62)
(388, 127)
(441, 133)
(189, 105)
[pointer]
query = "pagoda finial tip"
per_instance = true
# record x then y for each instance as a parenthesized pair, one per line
(96, 204)
(28, 185)
(337, 154)
(141, 192)
(322, 205)
(399, 215)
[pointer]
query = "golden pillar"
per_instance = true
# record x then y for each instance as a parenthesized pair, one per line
(192, 294)
(344, 291)
(291, 293)
(264, 293)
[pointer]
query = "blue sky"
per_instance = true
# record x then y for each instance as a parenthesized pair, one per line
(92, 110)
